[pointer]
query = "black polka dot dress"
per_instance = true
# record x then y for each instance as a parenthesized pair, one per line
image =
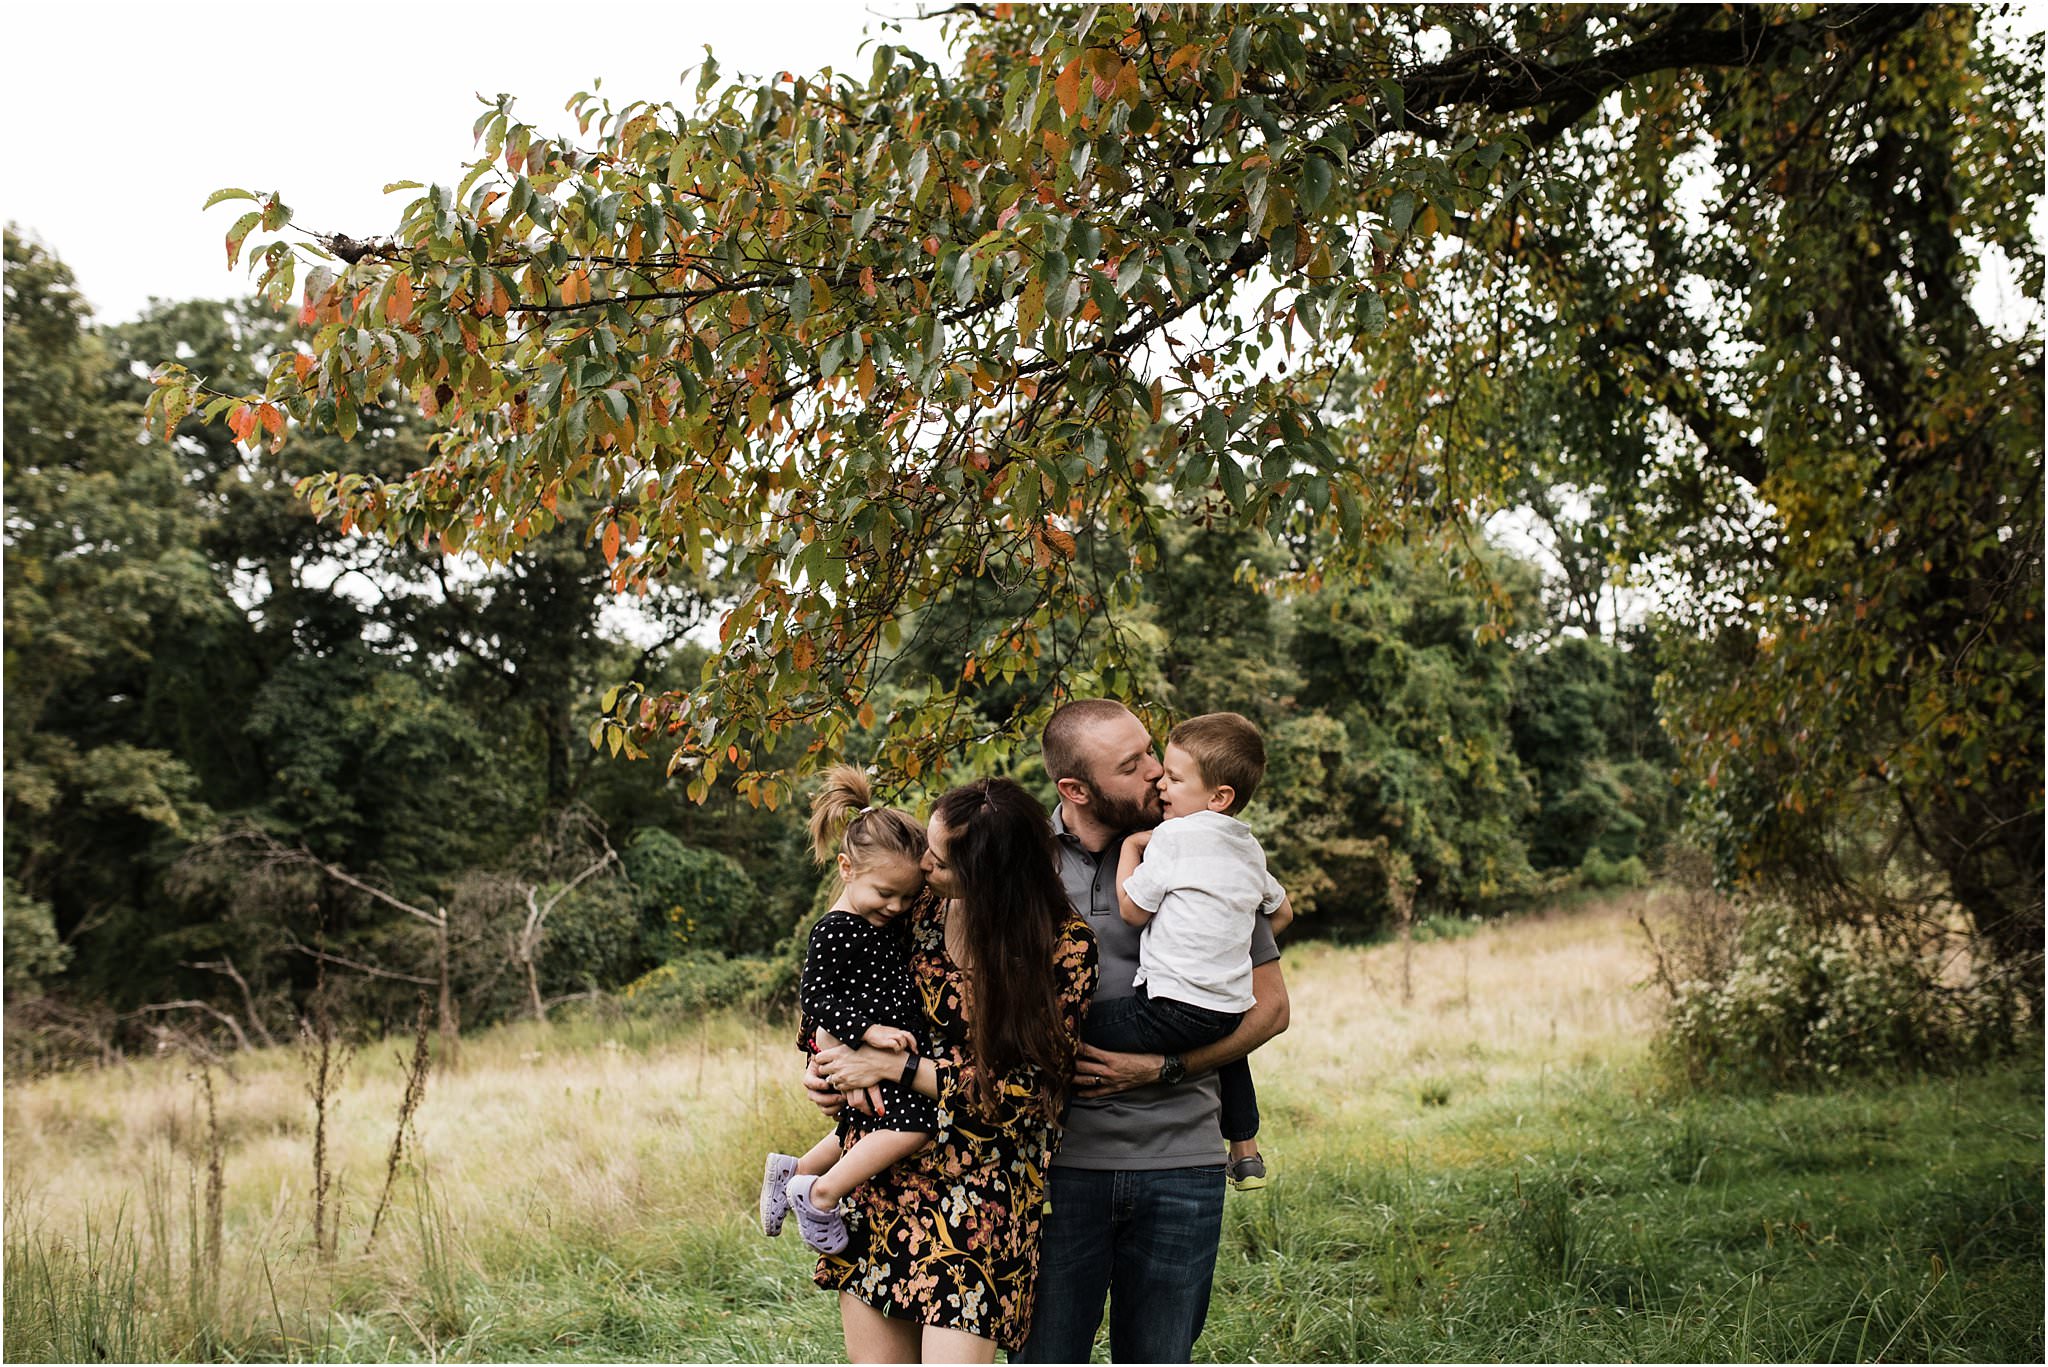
(857, 975)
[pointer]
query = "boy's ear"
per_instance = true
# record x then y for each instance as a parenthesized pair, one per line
(1223, 799)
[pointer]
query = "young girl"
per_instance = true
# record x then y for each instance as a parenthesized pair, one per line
(857, 989)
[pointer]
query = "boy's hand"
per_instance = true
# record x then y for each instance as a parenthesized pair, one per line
(1137, 841)
(889, 1037)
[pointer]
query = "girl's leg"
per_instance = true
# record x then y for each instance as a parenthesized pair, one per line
(872, 1336)
(822, 1156)
(875, 1150)
(956, 1345)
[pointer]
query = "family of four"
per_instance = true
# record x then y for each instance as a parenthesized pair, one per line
(1032, 1030)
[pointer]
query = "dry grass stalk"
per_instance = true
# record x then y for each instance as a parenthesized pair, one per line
(327, 1058)
(408, 1104)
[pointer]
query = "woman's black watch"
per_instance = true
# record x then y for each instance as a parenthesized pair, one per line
(909, 1078)
(1171, 1069)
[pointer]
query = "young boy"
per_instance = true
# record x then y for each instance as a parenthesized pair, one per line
(1197, 894)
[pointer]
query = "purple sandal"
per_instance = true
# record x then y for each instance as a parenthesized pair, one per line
(824, 1230)
(775, 1192)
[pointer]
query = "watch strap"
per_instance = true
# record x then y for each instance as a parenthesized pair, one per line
(909, 1078)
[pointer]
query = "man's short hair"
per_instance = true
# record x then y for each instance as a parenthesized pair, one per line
(1065, 756)
(1228, 749)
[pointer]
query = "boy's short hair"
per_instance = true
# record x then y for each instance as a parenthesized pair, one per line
(1229, 751)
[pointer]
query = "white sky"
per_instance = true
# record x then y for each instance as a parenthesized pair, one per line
(124, 117)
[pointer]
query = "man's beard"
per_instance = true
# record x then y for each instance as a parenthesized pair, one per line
(1122, 814)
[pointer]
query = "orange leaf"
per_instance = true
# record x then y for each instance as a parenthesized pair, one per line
(273, 421)
(611, 542)
(740, 314)
(1068, 88)
(864, 381)
(867, 281)
(399, 306)
(303, 364)
(963, 198)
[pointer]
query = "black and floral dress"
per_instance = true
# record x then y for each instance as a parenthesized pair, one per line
(949, 1237)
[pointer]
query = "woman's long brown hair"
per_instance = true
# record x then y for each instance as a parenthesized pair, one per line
(999, 845)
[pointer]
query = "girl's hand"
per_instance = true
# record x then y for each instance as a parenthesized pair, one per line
(889, 1037)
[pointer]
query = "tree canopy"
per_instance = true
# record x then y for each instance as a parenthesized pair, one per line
(872, 344)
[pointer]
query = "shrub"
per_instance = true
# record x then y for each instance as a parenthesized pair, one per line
(693, 900)
(1597, 870)
(1799, 1003)
(594, 938)
(700, 982)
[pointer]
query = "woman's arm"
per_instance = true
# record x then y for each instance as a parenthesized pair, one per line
(850, 1070)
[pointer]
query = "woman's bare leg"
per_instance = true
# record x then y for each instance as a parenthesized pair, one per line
(955, 1345)
(872, 1336)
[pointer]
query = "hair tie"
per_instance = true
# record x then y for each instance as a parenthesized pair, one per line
(863, 811)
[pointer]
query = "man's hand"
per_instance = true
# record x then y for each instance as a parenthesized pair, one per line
(1097, 1072)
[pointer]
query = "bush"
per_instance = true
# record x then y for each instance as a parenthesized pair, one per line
(1801, 1004)
(691, 900)
(700, 982)
(594, 939)
(1596, 870)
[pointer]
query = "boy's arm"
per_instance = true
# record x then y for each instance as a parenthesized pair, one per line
(1282, 916)
(1127, 862)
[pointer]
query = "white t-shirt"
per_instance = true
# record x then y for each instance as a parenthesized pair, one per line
(1204, 880)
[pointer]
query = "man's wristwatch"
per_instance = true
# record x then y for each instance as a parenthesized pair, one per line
(1171, 1069)
(909, 1078)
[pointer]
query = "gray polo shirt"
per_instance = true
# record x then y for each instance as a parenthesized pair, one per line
(1158, 1126)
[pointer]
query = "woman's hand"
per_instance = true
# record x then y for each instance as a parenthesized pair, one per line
(823, 1094)
(855, 1072)
(1097, 1072)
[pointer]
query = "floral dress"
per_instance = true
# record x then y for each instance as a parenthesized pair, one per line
(949, 1237)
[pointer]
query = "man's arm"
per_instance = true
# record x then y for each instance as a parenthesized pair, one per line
(1098, 1072)
(1267, 1018)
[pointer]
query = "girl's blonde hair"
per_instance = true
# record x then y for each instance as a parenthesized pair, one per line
(845, 819)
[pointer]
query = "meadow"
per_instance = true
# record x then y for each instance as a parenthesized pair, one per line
(1474, 1159)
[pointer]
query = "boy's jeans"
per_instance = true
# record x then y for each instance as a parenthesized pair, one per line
(1144, 1024)
(1146, 1240)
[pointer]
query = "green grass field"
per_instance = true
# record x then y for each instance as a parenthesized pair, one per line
(1482, 1166)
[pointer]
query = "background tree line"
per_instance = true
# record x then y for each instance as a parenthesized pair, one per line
(217, 706)
(979, 378)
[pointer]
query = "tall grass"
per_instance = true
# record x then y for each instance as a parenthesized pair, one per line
(1488, 1171)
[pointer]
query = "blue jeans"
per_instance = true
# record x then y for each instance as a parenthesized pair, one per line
(1146, 1240)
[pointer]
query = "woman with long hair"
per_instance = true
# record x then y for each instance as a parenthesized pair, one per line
(944, 1255)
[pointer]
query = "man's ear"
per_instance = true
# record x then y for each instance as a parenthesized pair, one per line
(1074, 790)
(1223, 799)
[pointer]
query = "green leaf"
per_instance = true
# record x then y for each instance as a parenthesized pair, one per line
(222, 196)
(1316, 178)
(1233, 479)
